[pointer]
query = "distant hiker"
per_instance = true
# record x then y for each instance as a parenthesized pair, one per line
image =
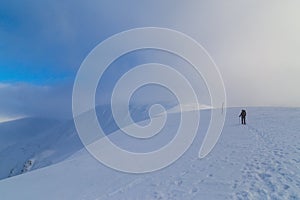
(243, 116)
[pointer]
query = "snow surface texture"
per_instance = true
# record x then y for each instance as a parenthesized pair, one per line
(260, 160)
(43, 142)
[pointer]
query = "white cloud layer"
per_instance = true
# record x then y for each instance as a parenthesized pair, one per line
(19, 100)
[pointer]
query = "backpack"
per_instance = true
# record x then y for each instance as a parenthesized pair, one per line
(243, 113)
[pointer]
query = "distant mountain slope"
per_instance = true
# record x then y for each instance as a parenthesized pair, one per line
(32, 143)
(23, 129)
(22, 141)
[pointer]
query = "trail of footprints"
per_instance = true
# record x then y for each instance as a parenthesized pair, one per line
(266, 175)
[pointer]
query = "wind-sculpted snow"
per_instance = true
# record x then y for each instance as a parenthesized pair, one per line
(259, 160)
(48, 141)
(20, 140)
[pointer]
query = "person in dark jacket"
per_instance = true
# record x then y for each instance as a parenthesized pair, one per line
(243, 116)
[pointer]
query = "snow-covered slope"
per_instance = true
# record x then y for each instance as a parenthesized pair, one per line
(260, 160)
(20, 140)
(32, 143)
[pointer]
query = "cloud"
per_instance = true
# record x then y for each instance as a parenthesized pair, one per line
(4, 85)
(31, 100)
(254, 43)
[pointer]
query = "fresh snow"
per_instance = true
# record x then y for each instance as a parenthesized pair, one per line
(188, 107)
(10, 118)
(260, 160)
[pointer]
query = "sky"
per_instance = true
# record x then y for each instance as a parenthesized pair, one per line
(254, 43)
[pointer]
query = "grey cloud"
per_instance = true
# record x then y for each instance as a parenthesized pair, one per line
(31, 100)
